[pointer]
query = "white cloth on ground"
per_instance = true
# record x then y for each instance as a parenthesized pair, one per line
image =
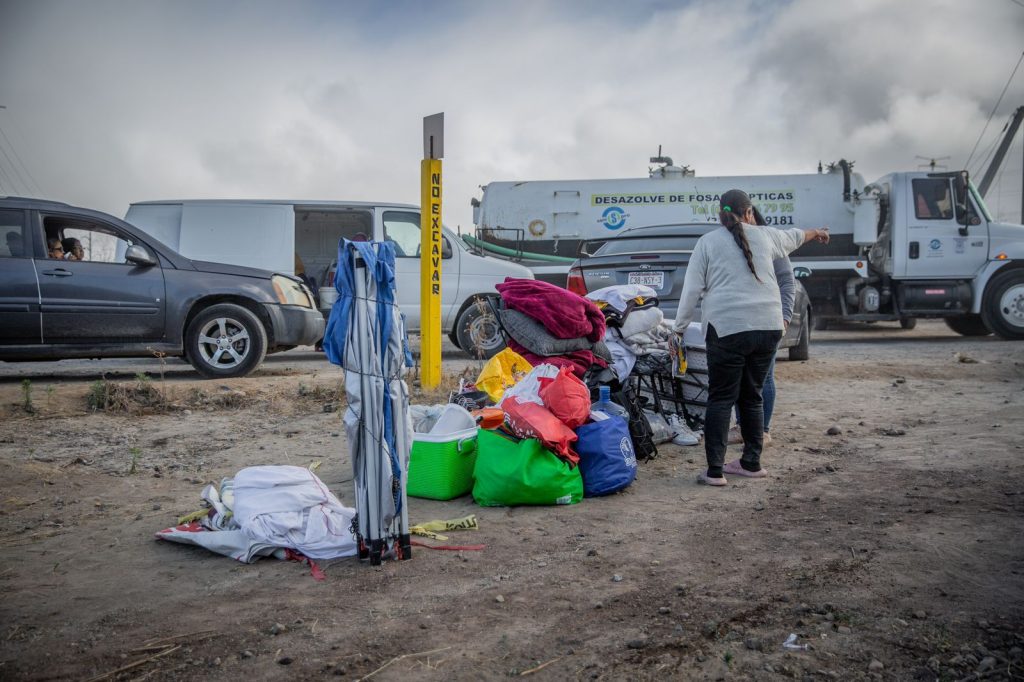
(288, 506)
(233, 543)
(221, 500)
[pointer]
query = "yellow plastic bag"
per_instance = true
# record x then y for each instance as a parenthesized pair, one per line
(678, 355)
(501, 371)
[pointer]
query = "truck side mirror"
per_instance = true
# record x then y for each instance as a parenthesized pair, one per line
(962, 201)
(446, 248)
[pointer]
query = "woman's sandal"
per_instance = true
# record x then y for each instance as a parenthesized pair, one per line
(735, 468)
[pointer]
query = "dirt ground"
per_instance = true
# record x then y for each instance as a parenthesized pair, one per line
(893, 550)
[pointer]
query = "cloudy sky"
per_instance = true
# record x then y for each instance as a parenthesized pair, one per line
(109, 102)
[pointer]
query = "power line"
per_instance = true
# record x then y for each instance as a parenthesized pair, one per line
(5, 182)
(35, 185)
(26, 189)
(988, 155)
(998, 102)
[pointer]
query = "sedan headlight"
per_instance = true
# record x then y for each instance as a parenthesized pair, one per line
(290, 292)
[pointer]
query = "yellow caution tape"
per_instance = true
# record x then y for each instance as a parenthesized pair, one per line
(430, 528)
(194, 516)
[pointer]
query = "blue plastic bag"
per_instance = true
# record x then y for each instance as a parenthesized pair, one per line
(607, 458)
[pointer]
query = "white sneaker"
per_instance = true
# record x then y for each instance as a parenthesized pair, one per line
(684, 436)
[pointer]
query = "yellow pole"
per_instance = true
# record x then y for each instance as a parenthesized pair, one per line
(430, 273)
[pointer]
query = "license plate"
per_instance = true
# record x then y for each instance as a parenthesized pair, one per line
(655, 280)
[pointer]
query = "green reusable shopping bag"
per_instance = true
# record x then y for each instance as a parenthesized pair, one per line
(511, 472)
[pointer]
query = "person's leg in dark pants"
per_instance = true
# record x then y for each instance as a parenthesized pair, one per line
(751, 405)
(725, 372)
(768, 394)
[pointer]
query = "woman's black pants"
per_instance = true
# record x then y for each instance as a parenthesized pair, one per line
(737, 367)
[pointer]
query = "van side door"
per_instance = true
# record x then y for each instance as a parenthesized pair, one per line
(19, 284)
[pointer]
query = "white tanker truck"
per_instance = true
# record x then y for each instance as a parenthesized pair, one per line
(908, 245)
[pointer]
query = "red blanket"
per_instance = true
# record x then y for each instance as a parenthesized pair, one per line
(565, 314)
(578, 361)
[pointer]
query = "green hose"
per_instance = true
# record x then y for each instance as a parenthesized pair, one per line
(524, 255)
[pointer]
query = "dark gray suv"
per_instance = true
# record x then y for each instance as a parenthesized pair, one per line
(76, 283)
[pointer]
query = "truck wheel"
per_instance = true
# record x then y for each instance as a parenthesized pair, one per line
(802, 349)
(477, 331)
(225, 340)
(1002, 309)
(908, 322)
(820, 324)
(968, 325)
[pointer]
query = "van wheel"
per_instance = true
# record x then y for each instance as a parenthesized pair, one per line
(968, 325)
(908, 322)
(1002, 309)
(225, 340)
(802, 349)
(477, 330)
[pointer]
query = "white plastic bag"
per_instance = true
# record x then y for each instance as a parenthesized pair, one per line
(661, 432)
(527, 389)
(425, 416)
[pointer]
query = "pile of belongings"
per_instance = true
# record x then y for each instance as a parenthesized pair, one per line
(281, 511)
(539, 439)
(642, 342)
(637, 331)
(548, 324)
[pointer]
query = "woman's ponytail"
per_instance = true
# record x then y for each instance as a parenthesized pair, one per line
(735, 203)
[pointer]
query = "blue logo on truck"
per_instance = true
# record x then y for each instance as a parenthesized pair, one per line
(613, 218)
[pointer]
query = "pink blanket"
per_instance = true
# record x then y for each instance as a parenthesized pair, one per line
(565, 314)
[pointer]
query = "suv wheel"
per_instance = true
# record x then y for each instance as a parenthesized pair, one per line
(802, 349)
(225, 340)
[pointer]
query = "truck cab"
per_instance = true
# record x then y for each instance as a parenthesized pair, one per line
(929, 248)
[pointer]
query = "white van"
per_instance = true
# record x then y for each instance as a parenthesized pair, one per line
(285, 235)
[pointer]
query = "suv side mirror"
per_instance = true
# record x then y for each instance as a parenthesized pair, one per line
(139, 255)
(446, 248)
(801, 272)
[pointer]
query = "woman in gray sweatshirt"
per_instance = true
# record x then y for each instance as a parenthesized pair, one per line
(730, 273)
